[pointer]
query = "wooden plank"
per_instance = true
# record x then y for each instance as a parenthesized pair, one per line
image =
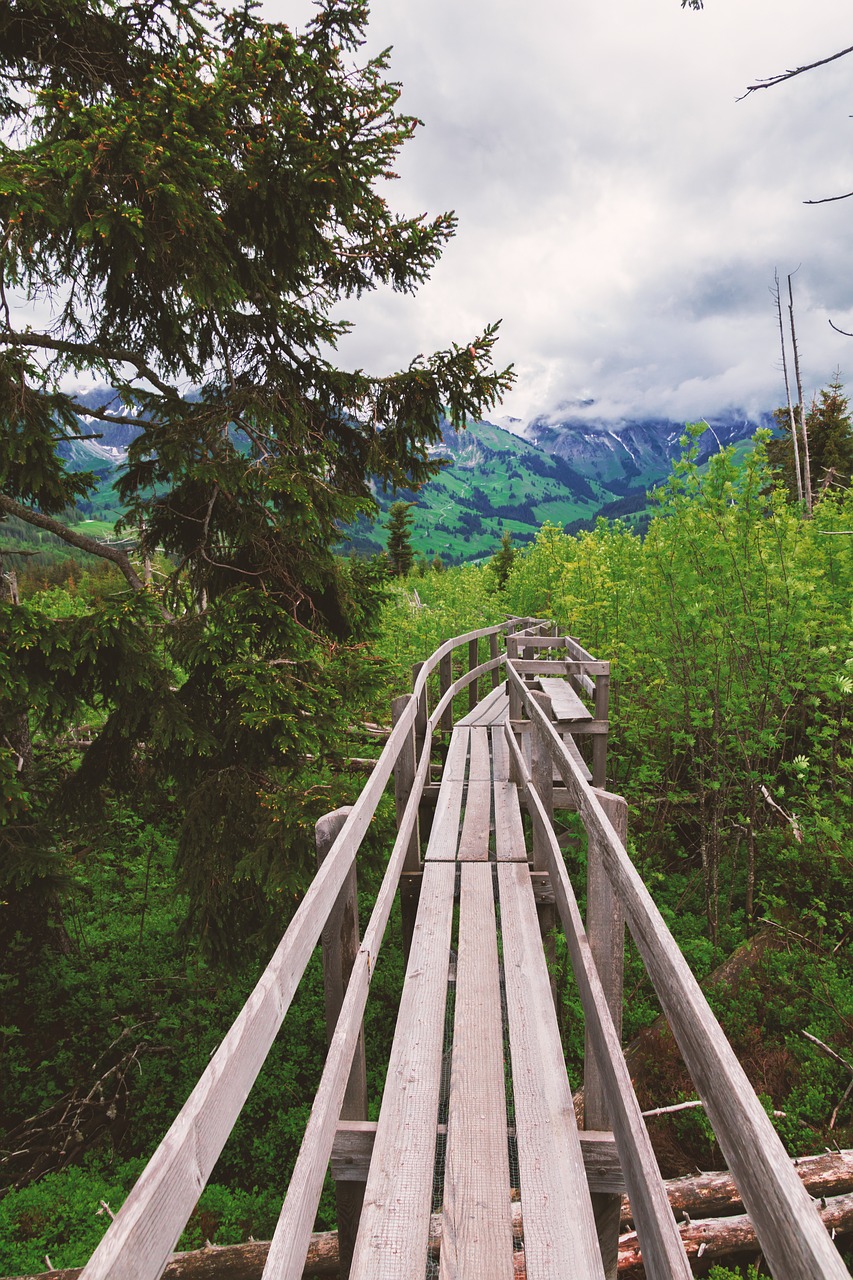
(792, 1235)
(477, 1227)
(565, 703)
(393, 1235)
(663, 1252)
(476, 825)
(353, 1149)
(509, 830)
(480, 764)
(293, 1230)
(559, 1229)
(499, 712)
(574, 752)
(500, 754)
(483, 709)
(444, 834)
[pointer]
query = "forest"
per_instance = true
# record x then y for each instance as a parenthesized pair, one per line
(181, 702)
(730, 633)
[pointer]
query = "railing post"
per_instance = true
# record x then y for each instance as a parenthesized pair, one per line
(340, 947)
(599, 742)
(493, 654)
(473, 687)
(404, 776)
(605, 927)
(542, 777)
(514, 696)
(445, 680)
(422, 713)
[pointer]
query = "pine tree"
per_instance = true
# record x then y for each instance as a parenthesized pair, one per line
(502, 561)
(830, 435)
(188, 193)
(399, 527)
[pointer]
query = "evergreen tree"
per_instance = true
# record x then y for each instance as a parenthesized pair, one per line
(502, 561)
(188, 193)
(830, 437)
(399, 528)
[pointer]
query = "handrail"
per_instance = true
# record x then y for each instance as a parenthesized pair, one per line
(140, 1240)
(792, 1236)
(664, 1256)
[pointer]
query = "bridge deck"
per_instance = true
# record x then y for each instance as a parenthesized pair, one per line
(477, 995)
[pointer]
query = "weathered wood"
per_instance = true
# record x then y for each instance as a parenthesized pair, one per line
(710, 1194)
(792, 1236)
(711, 1238)
(476, 825)
(392, 1239)
(599, 743)
(534, 666)
(509, 829)
(574, 752)
(543, 778)
(664, 1255)
(716, 1238)
(444, 835)
(404, 775)
(293, 1230)
(445, 679)
(422, 713)
(340, 947)
(493, 654)
(476, 1228)
(473, 687)
(353, 1148)
(605, 927)
(500, 754)
(483, 710)
(565, 703)
(340, 944)
(559, 1231)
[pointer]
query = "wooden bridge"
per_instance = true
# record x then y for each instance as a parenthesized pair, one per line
(477, 1118)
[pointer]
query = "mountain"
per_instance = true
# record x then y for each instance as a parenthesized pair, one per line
(565, 468)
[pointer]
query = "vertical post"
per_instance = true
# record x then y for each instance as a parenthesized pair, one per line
(605, 926)
(599, 741)
(473, 687)
(404, 776)
(542, 776)
(514, 695)
(445, 680)
(340, 948)
(422, 713)
(493, 654)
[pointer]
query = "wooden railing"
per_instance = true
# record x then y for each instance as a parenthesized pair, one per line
(139, 1242)
(794, 1240)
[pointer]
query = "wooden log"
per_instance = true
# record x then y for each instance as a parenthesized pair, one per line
(709, 1239)
(711, 1194)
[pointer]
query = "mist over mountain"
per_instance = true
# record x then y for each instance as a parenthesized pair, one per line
(567, 467)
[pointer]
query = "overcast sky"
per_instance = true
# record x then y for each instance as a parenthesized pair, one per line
(618, 209)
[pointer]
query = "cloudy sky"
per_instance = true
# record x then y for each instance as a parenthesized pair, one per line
(618, 209)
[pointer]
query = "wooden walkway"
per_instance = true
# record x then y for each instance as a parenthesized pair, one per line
(476, 1169)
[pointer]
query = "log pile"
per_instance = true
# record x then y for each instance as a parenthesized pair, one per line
(707, 1207)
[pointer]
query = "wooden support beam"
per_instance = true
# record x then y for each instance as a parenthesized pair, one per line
(404, 776)
(340, 942)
